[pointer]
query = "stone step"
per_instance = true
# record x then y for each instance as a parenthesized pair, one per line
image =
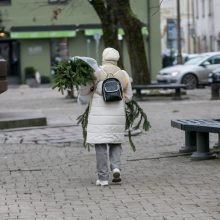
(10, 120)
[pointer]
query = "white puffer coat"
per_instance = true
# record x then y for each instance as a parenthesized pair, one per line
(106, 122)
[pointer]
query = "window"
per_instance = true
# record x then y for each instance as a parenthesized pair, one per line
(5, 2)
(218, 45)
(210, 7)
(216, 60)
(57, 1)
(59, 50)
(211, 40)
(197, 9)
(203, 8)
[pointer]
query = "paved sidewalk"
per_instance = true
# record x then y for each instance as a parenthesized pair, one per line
(47, 174)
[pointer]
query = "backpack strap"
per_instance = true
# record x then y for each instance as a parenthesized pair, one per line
(116, 72)
(109, 75)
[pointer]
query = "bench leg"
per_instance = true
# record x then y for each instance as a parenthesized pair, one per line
(217, 145)
(190, 142)
(215, 91)
(138, 94)
(177, 95)
(202, 143)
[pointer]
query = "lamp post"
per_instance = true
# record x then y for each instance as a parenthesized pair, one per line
(188, 27)
(179, 52)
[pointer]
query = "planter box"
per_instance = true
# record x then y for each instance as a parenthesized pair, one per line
(32, 82)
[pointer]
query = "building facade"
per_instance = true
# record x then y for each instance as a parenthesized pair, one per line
(207, 26)
(169, 25)
(40, 33)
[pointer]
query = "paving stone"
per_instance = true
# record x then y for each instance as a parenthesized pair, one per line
(47, 174)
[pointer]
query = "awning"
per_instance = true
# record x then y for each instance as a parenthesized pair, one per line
(42, 34)
(92, 32)
(144, 31)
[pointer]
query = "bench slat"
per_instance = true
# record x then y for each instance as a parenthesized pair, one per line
(160, 86)
(199, 125)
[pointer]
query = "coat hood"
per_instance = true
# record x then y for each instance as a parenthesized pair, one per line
(110, 54)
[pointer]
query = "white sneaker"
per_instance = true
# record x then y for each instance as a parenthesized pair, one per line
(101, 182)
(116, 175)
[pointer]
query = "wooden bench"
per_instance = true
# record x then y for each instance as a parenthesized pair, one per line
(197, 136)
(176, 87)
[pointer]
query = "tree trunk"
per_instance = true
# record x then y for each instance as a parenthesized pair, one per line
(134, 39)
(113, 12)
(109, 25)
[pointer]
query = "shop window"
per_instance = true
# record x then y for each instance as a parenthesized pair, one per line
(59, 50)
(57, 1)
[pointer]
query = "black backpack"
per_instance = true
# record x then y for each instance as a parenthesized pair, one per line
(111, 89)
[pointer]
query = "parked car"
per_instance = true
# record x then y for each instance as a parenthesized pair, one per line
(186, 57)
(193, 73)
(214, 76)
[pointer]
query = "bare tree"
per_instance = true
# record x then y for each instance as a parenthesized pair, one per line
(109, 24)
(118, 12)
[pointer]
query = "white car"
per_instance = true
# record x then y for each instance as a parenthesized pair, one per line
(192, 73)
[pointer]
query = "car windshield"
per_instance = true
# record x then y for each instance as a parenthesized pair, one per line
(196, 60)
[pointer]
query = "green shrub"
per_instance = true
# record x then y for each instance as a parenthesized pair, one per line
(29, 72)
(45, 80)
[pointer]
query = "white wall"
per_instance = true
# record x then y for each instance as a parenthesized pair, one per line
(168, 10)
(207, 25)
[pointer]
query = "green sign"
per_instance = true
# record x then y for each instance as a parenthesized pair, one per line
(42, 34)
(92, 32)
(144, 31)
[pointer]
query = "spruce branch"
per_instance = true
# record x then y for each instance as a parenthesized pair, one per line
(83, 120)
(135, 113)
(72, 72)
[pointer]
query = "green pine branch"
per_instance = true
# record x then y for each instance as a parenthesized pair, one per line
(136, 118)
(70, 73)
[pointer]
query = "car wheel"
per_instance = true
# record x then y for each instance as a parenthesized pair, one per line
(190, 81)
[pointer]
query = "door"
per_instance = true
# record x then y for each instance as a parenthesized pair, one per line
(9, 50)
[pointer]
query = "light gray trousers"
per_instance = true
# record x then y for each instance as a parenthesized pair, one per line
(102, 159)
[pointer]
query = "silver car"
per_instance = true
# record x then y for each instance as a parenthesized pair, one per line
(192, 73)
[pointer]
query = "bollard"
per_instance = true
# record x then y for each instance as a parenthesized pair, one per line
(3, 75)
(215, 87)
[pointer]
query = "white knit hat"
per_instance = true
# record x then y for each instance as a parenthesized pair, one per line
(110, 54)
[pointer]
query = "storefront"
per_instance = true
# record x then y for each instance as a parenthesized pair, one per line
(42, 47)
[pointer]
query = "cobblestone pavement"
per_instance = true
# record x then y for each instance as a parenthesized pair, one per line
(46, 174)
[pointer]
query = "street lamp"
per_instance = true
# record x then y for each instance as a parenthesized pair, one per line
(179, 52)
